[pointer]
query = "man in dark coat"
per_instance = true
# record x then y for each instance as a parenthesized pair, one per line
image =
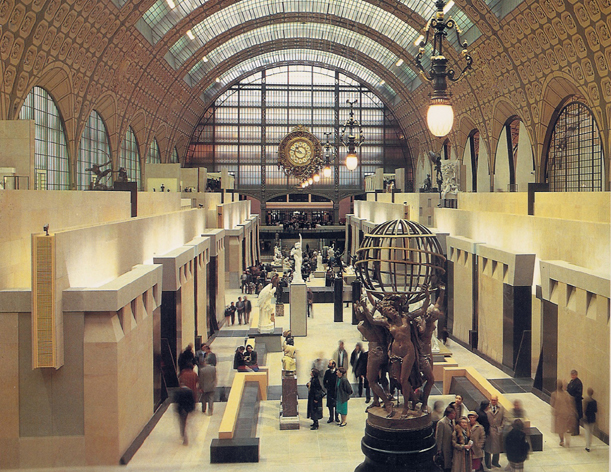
(247, 310)
(575, 390)
(360, 373)
(315, 394)
(329, 382)
(240, 308)
(516, 446)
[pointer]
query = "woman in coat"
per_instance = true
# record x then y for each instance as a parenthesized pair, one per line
(478, 436)
(462, 443)
(563, 411)
(315, 395)
(343, 391)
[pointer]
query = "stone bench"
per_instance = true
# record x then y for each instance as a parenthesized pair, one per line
(237, 441)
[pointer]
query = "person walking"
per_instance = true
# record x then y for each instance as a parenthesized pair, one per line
(230, 314)
(185, 398)
(210, 356)
(494, 441)
(343, 392)
(240, 309)
(563, 412)
(443, 436)
(590, 409)
(462, 444)
(207, 386)
(329, 383)
(247, 310)
(516, 446)
(315, 395)
(478, 436)
(575, 390)
(340, 356)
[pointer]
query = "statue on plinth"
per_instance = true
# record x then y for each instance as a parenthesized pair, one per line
(267, 306)
(277, 256)
(297, 254)
(319, 264)
(289, 363)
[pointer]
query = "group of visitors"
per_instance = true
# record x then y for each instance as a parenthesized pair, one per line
(195, 387)
(473, 441)
(336, 387)
(243, 307)
(255, 278)
(569, 409)
(245, 359)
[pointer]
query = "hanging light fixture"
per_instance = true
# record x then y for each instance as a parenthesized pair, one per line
(326, 172)
(316, 177)
(440, 116)
(354, 139)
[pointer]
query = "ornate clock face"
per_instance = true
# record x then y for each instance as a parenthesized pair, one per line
(299, 153)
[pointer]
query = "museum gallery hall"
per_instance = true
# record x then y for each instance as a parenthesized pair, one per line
(426, 178)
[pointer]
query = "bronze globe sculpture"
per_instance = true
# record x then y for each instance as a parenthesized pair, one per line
(401, 266)
(398, 258)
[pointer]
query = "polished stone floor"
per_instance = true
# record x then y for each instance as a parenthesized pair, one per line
(330, 447)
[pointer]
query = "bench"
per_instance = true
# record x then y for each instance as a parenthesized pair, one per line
(237, 441)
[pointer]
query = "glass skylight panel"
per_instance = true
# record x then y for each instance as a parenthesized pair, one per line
(502, 7)
(311, 56)
(355, 11)
(312, 31)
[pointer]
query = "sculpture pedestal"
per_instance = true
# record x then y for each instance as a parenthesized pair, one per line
(289, 415)
(299, 309)
(272, 341)
(398, 445)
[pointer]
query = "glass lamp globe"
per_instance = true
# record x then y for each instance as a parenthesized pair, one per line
(326, 172)
(310, 181)
(316, 178)
(352, 161)
(440, 119)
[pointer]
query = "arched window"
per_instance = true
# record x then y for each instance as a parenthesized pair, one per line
(474, 147)
(175, 156)
(153, 156)
(575, 156)
(129, 156)
(94, 150)
(446, 151)
(51, 152)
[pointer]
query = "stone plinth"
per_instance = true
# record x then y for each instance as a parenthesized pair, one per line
(299, 309)
(272, 341)
(289, 414)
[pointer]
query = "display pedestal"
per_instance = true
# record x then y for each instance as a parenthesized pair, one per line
(319, 274)
(289, 414)
(299, 309)
(272, 341)
(398, 445)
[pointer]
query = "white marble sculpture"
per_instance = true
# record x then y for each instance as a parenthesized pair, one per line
(319, 264)
(450, 184)
(277, 255)
(267, 306)
(330, 252)
(298, 256)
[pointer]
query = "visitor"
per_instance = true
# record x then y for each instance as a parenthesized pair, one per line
(329, 383)
(589, 421)
(575, 390)
(207, 386)
(343, 391)
(516, 446)
(478, 436)
(563, 412)
(250, 358)
(315, 395)
(462, 443)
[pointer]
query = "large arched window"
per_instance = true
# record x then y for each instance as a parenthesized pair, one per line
(51, 152)
(129, 156)
(175, 156)
(242, 130)
(512, 134)
(474, 148)
(94, 150)
(575, 155)
(153, 156)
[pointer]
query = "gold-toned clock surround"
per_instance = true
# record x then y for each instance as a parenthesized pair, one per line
(300, 153)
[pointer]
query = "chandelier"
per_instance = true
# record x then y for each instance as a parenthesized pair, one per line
(326, 171)
(440, 116)
(354, 139)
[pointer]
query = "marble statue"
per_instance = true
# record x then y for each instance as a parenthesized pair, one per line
(319, 264)
(277, 255)
(289, 364)
(267, 305)
(330, 253)
(297, 254)
(449, 171)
